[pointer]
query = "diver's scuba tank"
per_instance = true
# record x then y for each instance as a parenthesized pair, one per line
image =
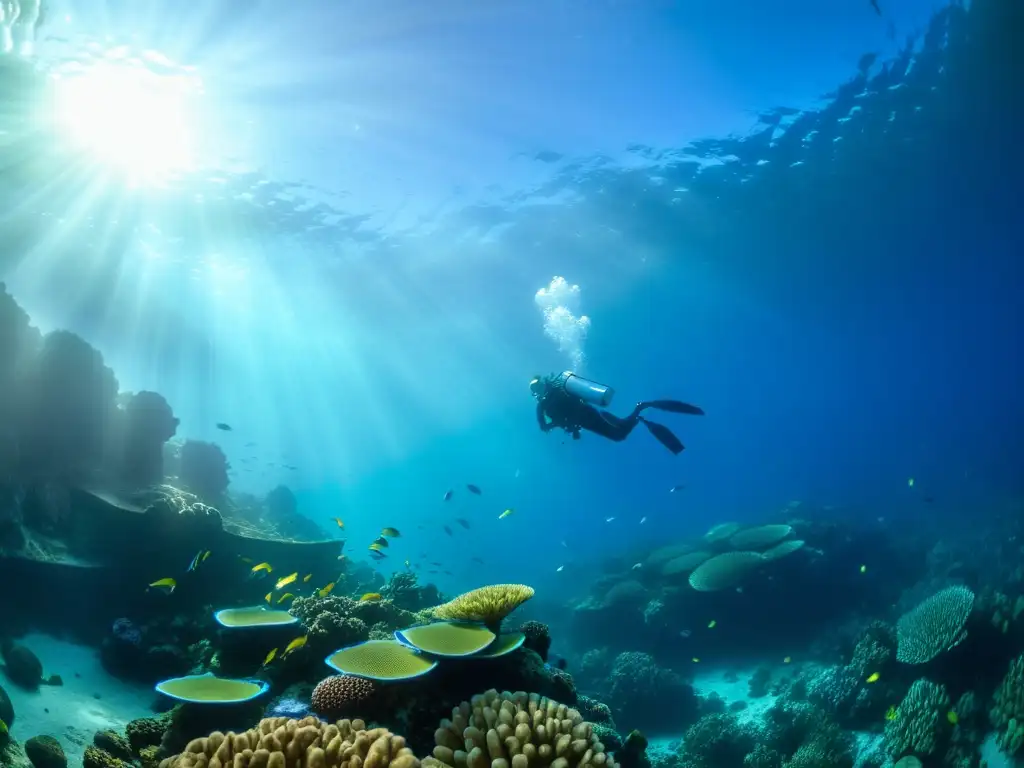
(586, 390)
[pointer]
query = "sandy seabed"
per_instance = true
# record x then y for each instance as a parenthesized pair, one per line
(90, 700)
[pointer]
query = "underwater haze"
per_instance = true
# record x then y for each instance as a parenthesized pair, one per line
(327, 249)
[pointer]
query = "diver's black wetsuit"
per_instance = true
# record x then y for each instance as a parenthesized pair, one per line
(558, 409)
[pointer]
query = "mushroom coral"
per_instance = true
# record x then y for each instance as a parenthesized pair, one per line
(310, 743)
(516, 730)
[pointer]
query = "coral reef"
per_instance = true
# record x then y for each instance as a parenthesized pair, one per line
(335, 621)
(641, 693)
(497, 730)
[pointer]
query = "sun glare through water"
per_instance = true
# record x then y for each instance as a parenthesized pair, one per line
(129, 119)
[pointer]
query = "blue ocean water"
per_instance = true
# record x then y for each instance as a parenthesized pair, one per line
(783, 212)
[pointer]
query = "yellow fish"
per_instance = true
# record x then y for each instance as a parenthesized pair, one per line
(873, 678)
(406, 563)
(863, 569)
(506, 513)
(339, 522)
(268, 596)
(295, 644)
(890, 713)
(381, 541)
(787, 660)
(375, 547)
(711, 624)
(285, 596)
(164, 585)
(392, 532)
(284, 582)
(261, 567)
(910, 483)
(952, 717)
(695, 660)
(306, 578)
(245, 560)
(370, 597)
(270, 656)
(326, 590)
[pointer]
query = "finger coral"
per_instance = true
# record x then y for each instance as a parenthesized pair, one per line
(488, 605)
(310, 743)
(337, 694)
(724, 571)
(516, 730)
(920, 720)
(934, 626)
(1007, 714)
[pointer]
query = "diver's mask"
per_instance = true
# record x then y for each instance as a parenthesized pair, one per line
(537, 386)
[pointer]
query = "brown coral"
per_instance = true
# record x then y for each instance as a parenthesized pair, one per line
(488, 604)
(279, 742)
(334, 695)
(516, 730)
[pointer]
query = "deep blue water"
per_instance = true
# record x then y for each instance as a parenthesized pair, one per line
(351, 283)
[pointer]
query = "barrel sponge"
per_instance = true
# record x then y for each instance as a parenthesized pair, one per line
(724, 571)
(1007, 713)
(488, 604)
(920, 719)
(934, 626)
(516, 730)
(279, 742)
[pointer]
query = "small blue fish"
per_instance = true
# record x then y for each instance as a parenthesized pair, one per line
(200, 558)
(474, 489)
(447, 495)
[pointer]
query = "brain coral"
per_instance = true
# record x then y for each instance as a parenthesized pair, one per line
(725, 570)
(333, 695)
(516, 730)
(920, 720)
(488, 604)
(310, 743)
(934, 626)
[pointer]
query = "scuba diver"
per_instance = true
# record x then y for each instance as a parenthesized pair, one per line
(568, 401)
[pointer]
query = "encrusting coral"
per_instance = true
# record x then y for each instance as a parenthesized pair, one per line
(488, 605)
(516, 730)
(936, 625)
(309, 743)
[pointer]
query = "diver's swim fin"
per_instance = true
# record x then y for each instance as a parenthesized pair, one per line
(674, 406)
(664, 436)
